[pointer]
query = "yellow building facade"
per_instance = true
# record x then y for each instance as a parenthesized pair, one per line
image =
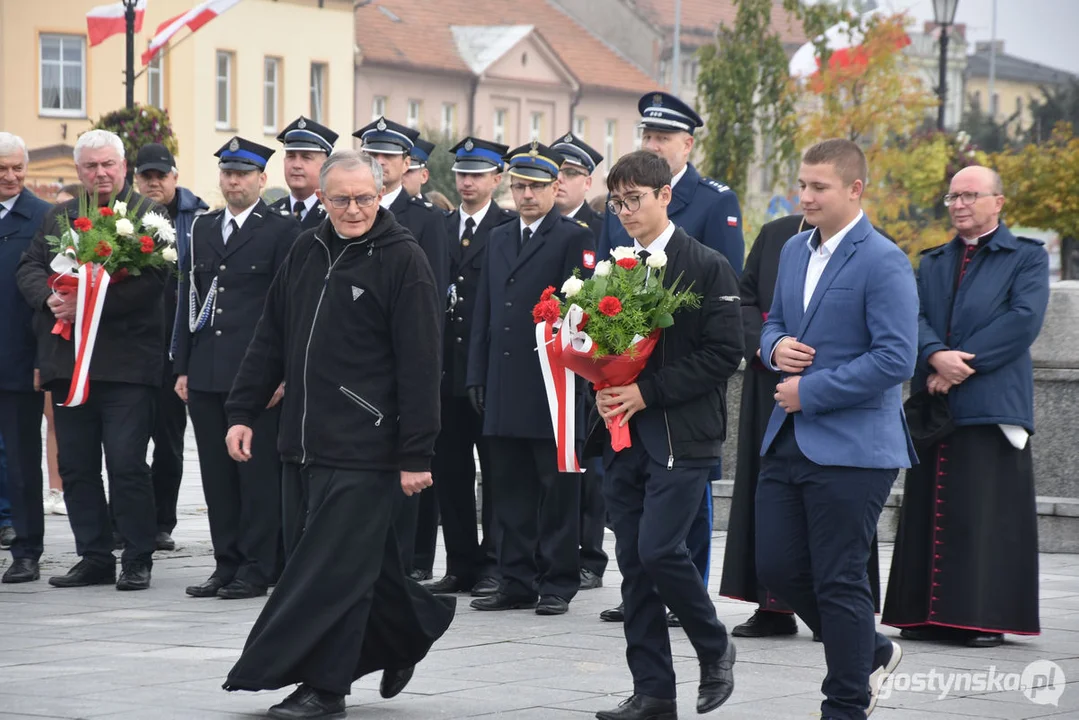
(248, 72)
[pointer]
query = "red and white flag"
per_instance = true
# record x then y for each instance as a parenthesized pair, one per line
(104, 21)
(193, 19)
(845, 43)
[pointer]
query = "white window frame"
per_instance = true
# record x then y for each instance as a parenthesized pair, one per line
(449, 119)
(223, 123)
(378, 107)
(580, 127)
(271, 94)
(317, 81)
(535, 126)
(610, 141)
(155, 80)
(415, 110)
(61, 64)
(499, 132)
(638, 137)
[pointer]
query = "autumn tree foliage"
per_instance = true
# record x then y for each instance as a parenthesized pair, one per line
(1041, 183)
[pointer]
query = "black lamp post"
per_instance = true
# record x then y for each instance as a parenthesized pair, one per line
(944, 15)
(129, 73)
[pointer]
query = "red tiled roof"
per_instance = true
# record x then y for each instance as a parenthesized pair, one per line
(700, 18)
(416, 33)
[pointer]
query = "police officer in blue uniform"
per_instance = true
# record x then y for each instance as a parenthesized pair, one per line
(536, 507)
(418, 174)
(307, 145)
(471, 564)
(575, 181)
(233, 256)
(391, 144)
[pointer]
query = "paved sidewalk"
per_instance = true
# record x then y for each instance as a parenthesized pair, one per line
(158, 654)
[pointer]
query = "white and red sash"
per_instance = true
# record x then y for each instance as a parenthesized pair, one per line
(560, 385)
(92, 288)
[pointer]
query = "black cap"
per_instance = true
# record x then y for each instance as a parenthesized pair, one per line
(577, 152)
(386, 137)
(663, 111)
(535, 161)
(304, 134)
(420, 154)
(154, 157)
(240, 154)
(474, 155)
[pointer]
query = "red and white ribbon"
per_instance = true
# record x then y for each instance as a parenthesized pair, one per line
(92, 289)
(560, 385)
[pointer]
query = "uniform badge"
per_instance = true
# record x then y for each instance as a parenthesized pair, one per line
(381, 124)
(732, 221)
(535, 149)
(234, 145)
(302, 124)
(465, 242)
(568, 138)
(657, 100)
(469, 145)
(588, 258)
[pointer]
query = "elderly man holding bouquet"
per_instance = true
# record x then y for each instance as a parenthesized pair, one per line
(110, 245)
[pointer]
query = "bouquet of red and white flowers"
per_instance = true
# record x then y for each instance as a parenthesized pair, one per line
(604, 330)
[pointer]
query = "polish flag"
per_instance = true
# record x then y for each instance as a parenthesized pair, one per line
(846, 47)
(193, 19)
(104, 21)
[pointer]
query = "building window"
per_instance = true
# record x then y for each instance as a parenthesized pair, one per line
(318, 92)
(500, 126)
(535, 126)
(580, 127)
(638, 135)
(449, 119)
(155, 89)
(414, 109)
(271, 98)
(608, 142)
(224, 89)
(63, 75)
(378, 107)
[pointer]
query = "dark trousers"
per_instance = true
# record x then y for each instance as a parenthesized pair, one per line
(167, 467)
(699, 539)
(537, 514)
(593, 517)
(454, 470)
(426, 536)
(243, 500)
(118, 417)
(651, 510)
(815, 526)
(20, 427)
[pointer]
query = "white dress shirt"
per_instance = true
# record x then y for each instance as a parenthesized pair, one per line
(240, 219)
(679, 176)
(575, 211)
(8, 205)
(533, 227)
(389, 197)
(819, 257)
(477, 218)
(308, 204)
(660, 243)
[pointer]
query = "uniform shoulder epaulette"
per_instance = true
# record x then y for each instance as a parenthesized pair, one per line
(284, 212)
(421, 202)
(714, 185)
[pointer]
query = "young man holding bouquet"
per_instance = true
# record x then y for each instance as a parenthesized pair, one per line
(676, 412)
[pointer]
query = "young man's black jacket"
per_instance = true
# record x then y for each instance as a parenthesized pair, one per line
(684, 384)
(352, 327)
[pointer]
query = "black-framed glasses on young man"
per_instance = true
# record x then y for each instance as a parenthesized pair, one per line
(968, 198)
(629, 202)
(362, 201)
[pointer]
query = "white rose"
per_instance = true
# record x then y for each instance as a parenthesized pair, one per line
(120, 207)
(657, 260)
(572, 286)
(124, 227)
(603, 268)
(622, 252)
(169, 254)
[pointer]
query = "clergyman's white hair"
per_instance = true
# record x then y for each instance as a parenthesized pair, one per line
(350, 160)
(11, 144)
(97, 139)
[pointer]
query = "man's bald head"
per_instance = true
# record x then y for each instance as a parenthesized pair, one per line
(987, 177)
(976, 199)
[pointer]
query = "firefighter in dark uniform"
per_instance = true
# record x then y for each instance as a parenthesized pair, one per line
(417, 174)
(574, 184)
(471, 565)
(391, 144)
(536, 507)
(307, 145)
(234, 254)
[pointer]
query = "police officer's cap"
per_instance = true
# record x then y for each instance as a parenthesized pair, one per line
(420, 154)
(535, 161)
(385, 137)
(663, 111)
(474, 155)
(577, 152)
(305, 134)
(240, 154)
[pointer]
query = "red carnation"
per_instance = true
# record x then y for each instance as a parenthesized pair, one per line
(610, 305)
(546, 294)
(82, 224)
(106, 212)
(627, 263)
(584, 321)
(146, 244)
(548, 310)
(103, 249)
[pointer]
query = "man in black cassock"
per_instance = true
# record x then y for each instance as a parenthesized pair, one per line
(352, 326)
(965, 567)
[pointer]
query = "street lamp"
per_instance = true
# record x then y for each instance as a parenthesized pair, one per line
(944, 15)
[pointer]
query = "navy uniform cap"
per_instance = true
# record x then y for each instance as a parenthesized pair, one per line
(420, 154)
(240, 154)
(474, 155)
(305, 134)
(577, 152)
(663, 111)
(535, 162)
(386, 137)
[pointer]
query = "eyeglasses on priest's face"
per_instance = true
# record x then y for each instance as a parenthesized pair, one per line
(968, 198)
(362, 201)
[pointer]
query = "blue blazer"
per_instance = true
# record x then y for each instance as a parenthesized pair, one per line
(863, 322)
(18, 348)
(996, 314)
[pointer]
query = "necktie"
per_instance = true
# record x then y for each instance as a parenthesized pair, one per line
(470, 229)
(525, 237)
(298, 209)
(231, 228)
(644, 255)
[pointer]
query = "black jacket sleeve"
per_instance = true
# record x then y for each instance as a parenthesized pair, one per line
(581, 241)
(752, 321)
(32, 275)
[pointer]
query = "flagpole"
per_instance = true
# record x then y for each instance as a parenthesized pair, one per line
(129, 76)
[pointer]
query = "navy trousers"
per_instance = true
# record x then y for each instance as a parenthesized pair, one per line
(815, 527)
(20, 428)
(651, 510)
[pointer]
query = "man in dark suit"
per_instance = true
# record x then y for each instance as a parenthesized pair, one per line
(536, 507)
(21, 214)
(843, 331)
(307, 145)
(234, 255)
(128, 362)
(471, 565)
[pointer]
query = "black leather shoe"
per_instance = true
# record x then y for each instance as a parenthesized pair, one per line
(307, 703)
(766, 624)
(985, 640)
(206, 589)
(616, 614)
(485, 588)
(642, 707)
(134, 576)
(22, 570)
(86, 573)
(241, 590)
(590, 580)
(164, 541)
(448, 584)
(7, 536)
(552, 605)
(394, 681)
(501, 601)
(419, 575)
(717, 681)
(673, 621)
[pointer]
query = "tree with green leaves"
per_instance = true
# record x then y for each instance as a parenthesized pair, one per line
(440, 165)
